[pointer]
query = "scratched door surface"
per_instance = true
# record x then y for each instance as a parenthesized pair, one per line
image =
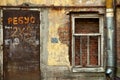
(21, 45)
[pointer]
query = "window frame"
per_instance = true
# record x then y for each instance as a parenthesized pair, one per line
(100, 67)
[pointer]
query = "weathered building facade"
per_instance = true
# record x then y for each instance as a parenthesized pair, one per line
(57, 40)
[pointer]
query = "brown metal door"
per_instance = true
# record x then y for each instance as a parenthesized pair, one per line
(21, 45)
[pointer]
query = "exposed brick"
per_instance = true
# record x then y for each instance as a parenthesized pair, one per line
(91, 27)
(63, 33)
(86, 26)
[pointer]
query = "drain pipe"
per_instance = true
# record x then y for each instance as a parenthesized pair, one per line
(110, 69)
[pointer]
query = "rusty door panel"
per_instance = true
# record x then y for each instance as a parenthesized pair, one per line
(21, 45)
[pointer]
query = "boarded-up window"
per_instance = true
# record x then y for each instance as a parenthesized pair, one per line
(86, 47)
(87, 41)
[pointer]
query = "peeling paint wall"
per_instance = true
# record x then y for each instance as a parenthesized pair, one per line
(57, 51)
(58, 64)
(54, 35)
(58, 37)
(54, 2)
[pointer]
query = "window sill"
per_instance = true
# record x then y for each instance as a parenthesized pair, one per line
(98, 69)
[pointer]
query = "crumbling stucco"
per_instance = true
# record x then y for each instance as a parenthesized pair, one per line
(54, 2)
(58, 37)
(57, 51)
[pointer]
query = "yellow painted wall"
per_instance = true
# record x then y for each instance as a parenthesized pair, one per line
(53, 2)
(57, 52)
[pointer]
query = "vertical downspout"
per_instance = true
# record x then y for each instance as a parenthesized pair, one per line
(110, 70)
